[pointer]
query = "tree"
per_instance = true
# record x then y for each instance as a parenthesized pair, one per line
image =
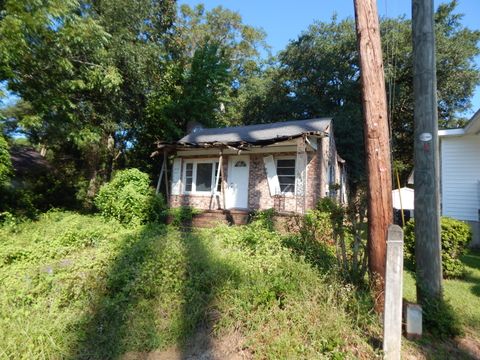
(212, 57)
(317, 75)
(5, 163)
(457, 76)
(84, 68)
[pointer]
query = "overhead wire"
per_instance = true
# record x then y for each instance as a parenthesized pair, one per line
(391, 47)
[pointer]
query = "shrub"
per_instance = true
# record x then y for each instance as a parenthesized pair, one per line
(129, 199)
(316, 225)
(455, 237)
(183, 215)
(265, 218)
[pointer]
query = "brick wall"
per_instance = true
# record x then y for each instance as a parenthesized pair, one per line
(259, 194)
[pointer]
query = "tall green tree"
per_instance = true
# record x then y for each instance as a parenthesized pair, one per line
(85, 68)
(318, 75)
(213, 55)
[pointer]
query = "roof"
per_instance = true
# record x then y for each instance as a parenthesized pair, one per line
(261, 134)
(472, 128)
(28, 161)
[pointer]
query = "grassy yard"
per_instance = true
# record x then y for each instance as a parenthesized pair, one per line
(75, 286)
(464, 296)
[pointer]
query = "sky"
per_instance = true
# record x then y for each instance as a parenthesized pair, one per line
(285, 20)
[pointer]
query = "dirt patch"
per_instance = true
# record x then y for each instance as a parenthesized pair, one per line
(203, 346)
(470, 346)
(467, 347)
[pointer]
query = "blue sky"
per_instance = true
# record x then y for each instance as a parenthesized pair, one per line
(285, 20)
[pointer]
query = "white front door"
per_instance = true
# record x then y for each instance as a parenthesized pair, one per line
(236, 195)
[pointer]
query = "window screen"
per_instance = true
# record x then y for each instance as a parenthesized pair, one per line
(188, 176)
(286, 175)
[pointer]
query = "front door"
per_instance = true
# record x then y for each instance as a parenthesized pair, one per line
(236, 195)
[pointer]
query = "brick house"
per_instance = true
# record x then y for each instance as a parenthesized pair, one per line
(287, 166)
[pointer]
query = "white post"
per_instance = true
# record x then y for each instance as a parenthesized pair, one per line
(392, 317)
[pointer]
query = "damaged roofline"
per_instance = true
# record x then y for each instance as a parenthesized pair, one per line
(238, 145)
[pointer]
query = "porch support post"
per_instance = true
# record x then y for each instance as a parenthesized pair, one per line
(217, 179)
(300, 176)
(222, 185)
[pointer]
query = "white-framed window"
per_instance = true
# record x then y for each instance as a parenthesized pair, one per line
(286, 174)
(199, 176)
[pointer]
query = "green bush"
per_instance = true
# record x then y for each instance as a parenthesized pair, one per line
(129, 199)
(265, 218)
(5, 163)
(455, 237)
(183, 215)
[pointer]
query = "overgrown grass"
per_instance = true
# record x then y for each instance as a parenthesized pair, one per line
(75, 286)
(463, 294)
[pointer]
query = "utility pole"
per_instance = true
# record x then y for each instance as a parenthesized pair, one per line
(377, 143)
(427, 204)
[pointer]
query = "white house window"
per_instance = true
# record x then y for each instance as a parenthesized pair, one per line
(286, 175)
(199, 176)
(240, 163)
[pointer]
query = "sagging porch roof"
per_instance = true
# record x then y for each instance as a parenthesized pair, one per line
(256, 135)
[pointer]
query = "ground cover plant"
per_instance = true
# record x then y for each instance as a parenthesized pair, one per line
(463, 295)
(77, 286)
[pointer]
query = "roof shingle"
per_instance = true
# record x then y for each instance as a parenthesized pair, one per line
(257, 134)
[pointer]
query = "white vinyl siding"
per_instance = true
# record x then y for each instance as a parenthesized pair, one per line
(460, 167)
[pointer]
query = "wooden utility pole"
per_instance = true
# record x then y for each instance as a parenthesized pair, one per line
(377, 143)
(427, 204)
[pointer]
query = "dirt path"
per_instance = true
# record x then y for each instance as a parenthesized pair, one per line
(203, 346)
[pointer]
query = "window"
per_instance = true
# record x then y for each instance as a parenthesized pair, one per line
(240, 163)
(200, 175)
(286, 175)
(204, 177)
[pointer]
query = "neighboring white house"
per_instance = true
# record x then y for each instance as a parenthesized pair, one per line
(460, 174)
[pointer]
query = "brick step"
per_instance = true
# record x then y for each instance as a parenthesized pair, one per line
(210, 216)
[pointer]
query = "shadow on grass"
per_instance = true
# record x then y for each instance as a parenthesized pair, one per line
(126, 316)
(107, 323)
(315, 253)
(205, 277)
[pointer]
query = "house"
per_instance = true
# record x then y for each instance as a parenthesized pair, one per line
(460, 174)
(287, 166)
